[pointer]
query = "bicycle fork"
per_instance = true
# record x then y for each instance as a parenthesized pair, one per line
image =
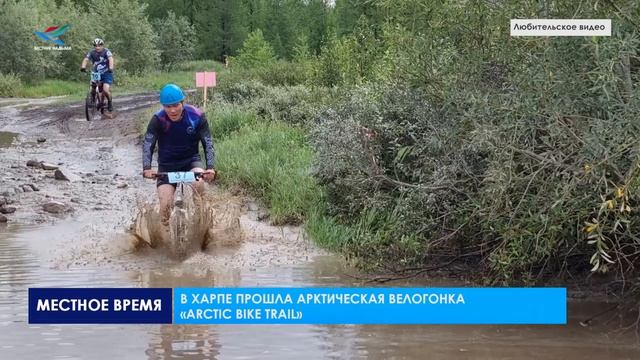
(179, 202)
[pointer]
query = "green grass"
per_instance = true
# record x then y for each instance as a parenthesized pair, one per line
(48, 88)
(326, 231)
(200, 65)
(183, 75)
(154, 81)
(272, 160)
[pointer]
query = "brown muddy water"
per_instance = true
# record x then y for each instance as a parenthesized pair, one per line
(89, 247)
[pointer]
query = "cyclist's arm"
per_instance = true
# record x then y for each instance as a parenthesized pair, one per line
(207, 142)
(84, 63)
(149, 145)
(111, 60)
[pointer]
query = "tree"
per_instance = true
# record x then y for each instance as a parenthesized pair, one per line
(176, 39)
(17, 23)
(128, 33)
(255, 51)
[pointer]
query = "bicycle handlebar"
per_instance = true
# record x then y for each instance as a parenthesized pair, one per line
(197, 174)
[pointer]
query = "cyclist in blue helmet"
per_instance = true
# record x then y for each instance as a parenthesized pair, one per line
(178, 129)
(103, 62)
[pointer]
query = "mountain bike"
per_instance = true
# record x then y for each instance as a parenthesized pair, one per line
(95, 102)
(183, 221)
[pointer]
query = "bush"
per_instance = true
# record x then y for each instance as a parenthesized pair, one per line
(241, 92)
(10, 85)
(226, 120)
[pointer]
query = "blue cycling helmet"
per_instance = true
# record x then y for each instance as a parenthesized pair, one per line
(171, 94)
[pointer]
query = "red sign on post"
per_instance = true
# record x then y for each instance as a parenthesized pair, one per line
(205, 79)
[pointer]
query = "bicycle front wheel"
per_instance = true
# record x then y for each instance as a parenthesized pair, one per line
(179, 234)
(90, 107)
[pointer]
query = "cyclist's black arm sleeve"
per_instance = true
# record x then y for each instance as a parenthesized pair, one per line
(207, 143)
(149, 144)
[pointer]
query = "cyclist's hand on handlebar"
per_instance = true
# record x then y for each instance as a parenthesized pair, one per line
(149, 174)
(83, 70)
(209, 175)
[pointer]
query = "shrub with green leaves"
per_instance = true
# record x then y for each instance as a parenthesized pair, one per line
(10, 85)
(176, 39)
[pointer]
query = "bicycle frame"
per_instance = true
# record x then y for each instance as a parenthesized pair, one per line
(96, 88)
(95, 97)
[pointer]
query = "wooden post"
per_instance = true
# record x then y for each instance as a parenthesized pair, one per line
(204, 107)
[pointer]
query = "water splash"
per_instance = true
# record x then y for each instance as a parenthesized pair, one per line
(212, 219)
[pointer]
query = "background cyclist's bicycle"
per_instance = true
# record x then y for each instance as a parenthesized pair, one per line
(95, 102)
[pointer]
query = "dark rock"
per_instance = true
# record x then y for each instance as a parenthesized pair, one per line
(34, 163)
(122, 185)
(262, 215)
(58, 175)
(66, 175)
(33, 187)
(7, 209)
(3, 219)
(27, 188)
(2, 201)
(41, 139)
(75, 200)
(55, 207)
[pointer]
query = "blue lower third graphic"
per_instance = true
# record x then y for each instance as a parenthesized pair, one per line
(370, 306)
(100, 306)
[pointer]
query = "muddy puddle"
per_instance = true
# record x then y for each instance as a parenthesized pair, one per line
(90, 246)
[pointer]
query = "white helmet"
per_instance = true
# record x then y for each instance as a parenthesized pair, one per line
(98, 41)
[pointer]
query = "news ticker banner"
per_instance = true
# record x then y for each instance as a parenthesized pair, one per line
(199, 306)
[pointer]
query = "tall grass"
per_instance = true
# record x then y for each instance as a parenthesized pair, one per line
(272, 160)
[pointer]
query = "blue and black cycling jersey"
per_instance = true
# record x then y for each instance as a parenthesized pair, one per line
(100, 60)
(178, 141)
